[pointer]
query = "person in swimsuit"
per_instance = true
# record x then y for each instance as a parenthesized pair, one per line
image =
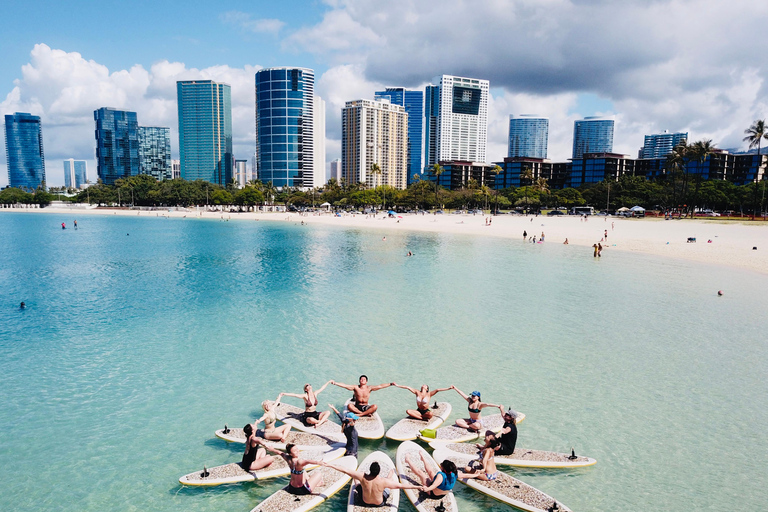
(362, 392)
(423, 397)
(474, 423)
(255, 456)
(487, 470)
(310, 417)
(437, 484)
(269, 418)
(372, 489)
(300, 484)
(348, 428)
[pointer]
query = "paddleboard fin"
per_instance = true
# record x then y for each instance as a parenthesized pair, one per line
(226, 429)
(554, 508)
(572, 456)
(435, 406)
(205, 473)
(440, 507)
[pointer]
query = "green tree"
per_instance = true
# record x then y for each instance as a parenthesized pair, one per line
(12, 195)
(755, 134)
(436, 170)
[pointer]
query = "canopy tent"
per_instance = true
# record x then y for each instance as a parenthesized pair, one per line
(326, 205)
(637, 209)
(623, 209)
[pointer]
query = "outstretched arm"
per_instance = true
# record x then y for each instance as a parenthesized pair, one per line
(345, 386)
(336, 411)
(294, 395)
(397, 484)
(436, 391)
(277, 400)
(358, 475)
(483, 405)
(382, 386)
(463, 394)
(322, 388)
(405, 387)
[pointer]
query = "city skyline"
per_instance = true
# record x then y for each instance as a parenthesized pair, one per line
(652, 78)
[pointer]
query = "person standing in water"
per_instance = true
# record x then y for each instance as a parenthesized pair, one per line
(348, 421)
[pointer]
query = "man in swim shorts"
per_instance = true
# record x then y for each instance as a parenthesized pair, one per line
(373, 489)
(361, 394)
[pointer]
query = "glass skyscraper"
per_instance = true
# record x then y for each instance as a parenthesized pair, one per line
(661, 144)
(528, 136)
(413, 101)
(117, 144)
(24, 150)
(205, 130)
(75, 173)
(285, 124)
(431, 111)
(155, 152)
(592, 135)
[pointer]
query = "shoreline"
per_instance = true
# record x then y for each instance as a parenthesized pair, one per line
(731, 243)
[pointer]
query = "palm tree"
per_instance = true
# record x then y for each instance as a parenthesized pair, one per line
(700, 151)
(495, 171)
(376, 170)
(755, 134)
(527, 175)
(436, 170)
(675, 164)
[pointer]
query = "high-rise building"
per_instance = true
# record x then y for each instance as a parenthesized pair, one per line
(205, 130)
(374, 132)
(593, 135)
(285, 124)
(75, 173)
(661, 144)
(175, 169)
(528, 136)
(336, 170)
(241, 173)
(431, 110)
(413, 101)
(117, 144)
(24, 150)
(155, 152)
(461, 130)
(318, 171)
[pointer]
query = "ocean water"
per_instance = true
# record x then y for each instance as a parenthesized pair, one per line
(142, 336)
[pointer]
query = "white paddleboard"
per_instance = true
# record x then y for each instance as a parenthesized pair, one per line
(386, 466)
(505, 488)
(521, 457)
(333, 482)
(454, 434)
(234, 473)
(418, 498)
(368, 427)
(291, 415)
(236, 435)
(408, 429)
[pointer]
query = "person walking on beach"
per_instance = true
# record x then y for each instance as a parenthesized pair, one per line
(423, 397)
(348, 421)
(372, 489)
(361, 394)
(606, 235)
(310, 417)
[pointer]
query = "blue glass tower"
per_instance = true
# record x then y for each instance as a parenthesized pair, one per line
(117, 144)
(75, 174)
(661, 144)
(205, 130)
(155, 151)
(285, 126)
(431, 114)
(413, 101)
(24, 150)
(528, 136)
(592, 135)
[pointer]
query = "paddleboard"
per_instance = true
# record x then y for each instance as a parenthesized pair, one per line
(454, 434)
(234, 473)
(521, 457)
(291, 415)
(505, 488)
(236, 435)
(418, 498)
(408, 429)
(386, 466)
(368, 427)
(333, 482)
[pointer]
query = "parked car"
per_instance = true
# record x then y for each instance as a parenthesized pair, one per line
(555, 212)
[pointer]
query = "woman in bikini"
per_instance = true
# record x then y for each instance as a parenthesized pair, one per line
(423, 397)
(310, 417)
(487, 470)
(437, 484)
(255, 456)
(300, 484)
(269, 418)
(474, 423)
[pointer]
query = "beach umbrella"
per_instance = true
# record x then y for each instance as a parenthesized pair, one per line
(392, 212)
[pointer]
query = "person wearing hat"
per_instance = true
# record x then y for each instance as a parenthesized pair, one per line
(474, 423)
(348, 420)
(507, 438)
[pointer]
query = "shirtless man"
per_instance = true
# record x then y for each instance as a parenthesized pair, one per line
(361, 393)
(373, 489)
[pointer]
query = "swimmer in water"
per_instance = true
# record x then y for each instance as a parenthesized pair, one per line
(22, 305)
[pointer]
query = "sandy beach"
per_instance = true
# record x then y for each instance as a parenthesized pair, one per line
(728, 243)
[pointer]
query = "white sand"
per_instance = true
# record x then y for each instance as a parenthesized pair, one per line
(732, 241)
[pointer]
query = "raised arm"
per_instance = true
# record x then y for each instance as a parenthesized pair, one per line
(295, 395)
(322, 388)
(345, 386)
(463, 394)
(405, 387)
(357, 475)
(277, 400)
(336, 411)
(382, 386)
(483, 405)
(436, 391)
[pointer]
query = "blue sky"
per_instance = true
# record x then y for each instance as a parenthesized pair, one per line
(668, 64)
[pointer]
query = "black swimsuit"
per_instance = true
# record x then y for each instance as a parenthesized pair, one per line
(248, 458)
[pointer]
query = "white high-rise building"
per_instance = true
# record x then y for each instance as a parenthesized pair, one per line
(318, 120)
(241, 173)
(175, 169)
(461, 130)
(374, 132)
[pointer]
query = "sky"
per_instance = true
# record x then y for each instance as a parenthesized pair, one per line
(696, 66)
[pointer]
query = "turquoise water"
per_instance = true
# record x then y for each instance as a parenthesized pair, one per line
(142, 336)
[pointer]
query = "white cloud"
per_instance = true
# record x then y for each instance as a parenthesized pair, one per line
(245, 22)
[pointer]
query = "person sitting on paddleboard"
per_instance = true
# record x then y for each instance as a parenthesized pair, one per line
(300, 484)
(272, 432)
(348, 420)
(255, 456)
(362, 393)
(436, 484)
(373, 489)
(310, 417)
(504, 442)
(474, 423)
(423, 397)
(487, 471)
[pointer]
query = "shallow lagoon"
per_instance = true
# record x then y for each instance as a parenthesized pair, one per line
(143, 335)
